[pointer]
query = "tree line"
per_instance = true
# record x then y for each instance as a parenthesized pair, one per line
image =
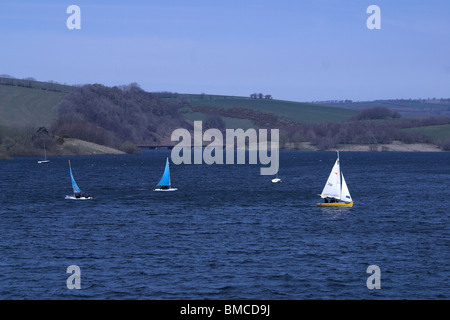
(371, 127)
(260, 96)
(31, 82)
(261, 119)
(112, 116)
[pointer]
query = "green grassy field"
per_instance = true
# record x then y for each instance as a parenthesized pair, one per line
(31, 104)
(230, 123)
(437, 133)
(21, 106)
(305, 113)
(407, 108)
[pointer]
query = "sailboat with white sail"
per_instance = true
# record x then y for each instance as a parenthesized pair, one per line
(45, 157)
(77, 193)
(335, 192)
(164, 184)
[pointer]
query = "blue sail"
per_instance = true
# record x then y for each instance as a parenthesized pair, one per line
(75, 187)
(165, 180)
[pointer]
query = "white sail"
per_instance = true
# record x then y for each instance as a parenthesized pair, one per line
(336, 188)
(45, 157)
(345, 194)
(332, 188)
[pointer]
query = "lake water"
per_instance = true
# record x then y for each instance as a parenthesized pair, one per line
(228, 232)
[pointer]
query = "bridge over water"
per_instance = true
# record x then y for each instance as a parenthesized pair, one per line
(155, 147)
(165, 146)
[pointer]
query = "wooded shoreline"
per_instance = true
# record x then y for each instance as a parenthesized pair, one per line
(85, 148)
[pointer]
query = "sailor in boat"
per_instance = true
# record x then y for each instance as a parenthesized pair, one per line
(79, 195)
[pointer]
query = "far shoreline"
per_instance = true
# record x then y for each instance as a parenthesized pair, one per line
(91, 149)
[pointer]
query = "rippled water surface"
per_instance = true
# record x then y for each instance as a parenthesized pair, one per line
(228, 232)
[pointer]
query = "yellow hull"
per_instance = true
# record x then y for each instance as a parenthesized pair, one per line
(335, 204)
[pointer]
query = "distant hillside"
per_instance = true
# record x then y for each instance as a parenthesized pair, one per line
(29, 103)
(303, 113)
(408, 108)
(309, 126)
(437, 133)
(114, 115)
(35, 113)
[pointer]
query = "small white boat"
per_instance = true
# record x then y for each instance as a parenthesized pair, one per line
(276, 180)
(164, 183)
(45, 157)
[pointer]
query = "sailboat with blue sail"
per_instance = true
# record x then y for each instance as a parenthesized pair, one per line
(77, 193)
(164, 184)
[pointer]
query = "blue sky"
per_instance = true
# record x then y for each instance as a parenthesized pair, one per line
(293, 50)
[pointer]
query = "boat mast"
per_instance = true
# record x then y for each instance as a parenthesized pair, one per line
(340, 176)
